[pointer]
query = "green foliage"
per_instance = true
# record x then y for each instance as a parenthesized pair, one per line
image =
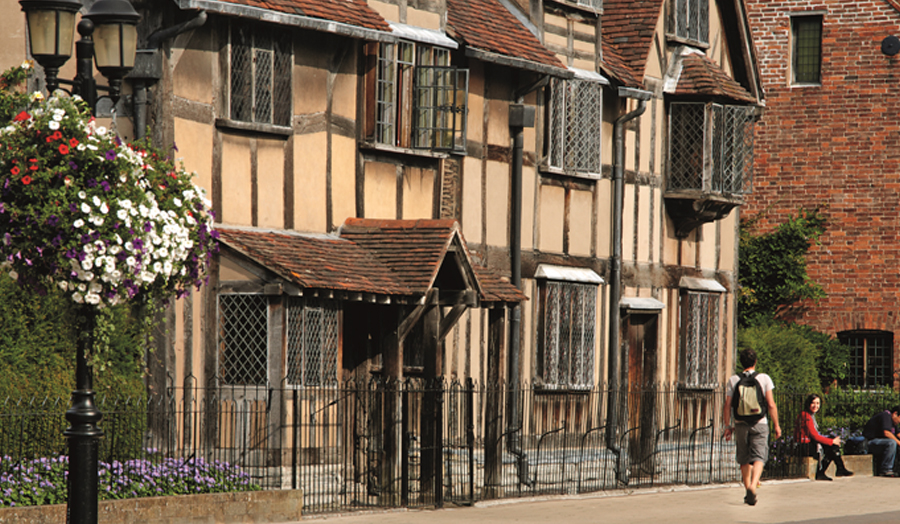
(833, 362)
(851, 409)
(12, 93)
(784, 354)
(773, 274)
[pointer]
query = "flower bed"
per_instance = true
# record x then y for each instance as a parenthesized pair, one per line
(43, 481)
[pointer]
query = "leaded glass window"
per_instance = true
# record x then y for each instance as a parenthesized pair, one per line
(711, 147)
(871, 358)
(806, 59)
(260, 62)
(312, 339)
(567, 339)
(575, 122)
(243, 339)
(699, 339)
(690, 20)
(419, 98)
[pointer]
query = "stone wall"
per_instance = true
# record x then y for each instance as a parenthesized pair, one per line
(213, 508)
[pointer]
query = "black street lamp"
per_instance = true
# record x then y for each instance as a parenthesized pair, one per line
(109, 36)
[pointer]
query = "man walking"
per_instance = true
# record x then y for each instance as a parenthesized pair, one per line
(749, 399)
(881, 439)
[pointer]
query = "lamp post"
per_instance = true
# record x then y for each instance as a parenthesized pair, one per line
(109, 36)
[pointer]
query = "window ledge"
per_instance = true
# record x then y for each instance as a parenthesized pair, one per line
(687, 41)
(252, 127)
(545, 169)
(427, 153)
(805, 85)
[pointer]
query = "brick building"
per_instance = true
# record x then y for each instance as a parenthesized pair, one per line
(829, 138)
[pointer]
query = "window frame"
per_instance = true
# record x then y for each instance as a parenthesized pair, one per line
(801, 33)
(578, 373)
(689, 21)
(717, 158)
(571, 148)
(302, 360)
(259, 370)
(692, 352)
(416, 99)
(867, 336)
(257, 96)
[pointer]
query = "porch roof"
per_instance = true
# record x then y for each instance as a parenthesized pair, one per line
(693, 73)
(382, 257)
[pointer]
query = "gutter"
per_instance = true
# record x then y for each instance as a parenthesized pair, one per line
(617, 399)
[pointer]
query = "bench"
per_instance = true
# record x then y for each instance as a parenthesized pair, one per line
(860, 465)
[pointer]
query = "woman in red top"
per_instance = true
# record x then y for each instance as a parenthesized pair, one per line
(813, 444)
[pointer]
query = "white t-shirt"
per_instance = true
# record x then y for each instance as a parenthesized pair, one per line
(765, 382)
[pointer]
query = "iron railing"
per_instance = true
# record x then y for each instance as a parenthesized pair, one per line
(389, 444)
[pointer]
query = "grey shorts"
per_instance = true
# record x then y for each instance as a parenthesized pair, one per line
(752, 442)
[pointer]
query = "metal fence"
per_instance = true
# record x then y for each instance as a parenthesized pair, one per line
(353, 446)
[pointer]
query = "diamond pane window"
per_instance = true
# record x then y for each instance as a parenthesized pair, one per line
(312, 338)
(699, 339)
(243, 331)
(690, 20)
(568, 334)
(260, 74)
(806, 59)
(419, 100)
(871, 358)
(711, 147)
(575, 123)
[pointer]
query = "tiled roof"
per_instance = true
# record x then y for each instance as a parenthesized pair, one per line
(629, 26)
(387, 257)
(352, 12)
(614, 65)
(487, 25)
(315, 261)
(702, 76)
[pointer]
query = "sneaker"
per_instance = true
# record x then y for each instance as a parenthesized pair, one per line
(822, 476)
(888, 474)
(844, 473)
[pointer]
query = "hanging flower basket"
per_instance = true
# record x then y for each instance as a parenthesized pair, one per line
(103, 220)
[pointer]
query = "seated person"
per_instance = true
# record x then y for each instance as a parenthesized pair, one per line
(881, 434)
(814, 444)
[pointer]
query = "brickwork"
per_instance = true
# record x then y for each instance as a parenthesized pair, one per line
(836, 146)
(214, 508)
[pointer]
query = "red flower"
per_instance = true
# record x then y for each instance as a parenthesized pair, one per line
(63, 149)
(15, 171)
(33, 168)
(26, 180)
(56, 135)
(73, 142)
(22, 116)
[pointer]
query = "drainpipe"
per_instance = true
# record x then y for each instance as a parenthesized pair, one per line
(148, 68)
(520, 117)
(616, 396)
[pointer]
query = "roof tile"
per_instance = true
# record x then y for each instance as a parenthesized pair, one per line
(352, 12)
(702, 76)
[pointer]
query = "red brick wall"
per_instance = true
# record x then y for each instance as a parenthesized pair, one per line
(836, 146)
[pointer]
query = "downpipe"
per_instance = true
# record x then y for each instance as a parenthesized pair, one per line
(616, 396)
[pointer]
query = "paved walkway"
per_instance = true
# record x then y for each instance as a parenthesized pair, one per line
(859, 500)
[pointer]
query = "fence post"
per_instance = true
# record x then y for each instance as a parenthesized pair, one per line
(470, 434)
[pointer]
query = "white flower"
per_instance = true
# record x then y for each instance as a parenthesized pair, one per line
(88, 248)
(63, 285)
(82, 195)
(85, 208)
(81, 147)
(114, 249)
(101, 130)
(14, 275)
(95, 287)
(96, 200)
(92, 298)
(54, 125)
(87, 264)
(122, 214)
(77, 297)
(104, 208)
(177, 202)
(78, 223)
(82, 288)
(129, 246)
(130, 261)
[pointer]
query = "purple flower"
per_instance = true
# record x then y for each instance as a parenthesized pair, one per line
(105, 186)
(111, 155)
(73, 165)
(91, 182)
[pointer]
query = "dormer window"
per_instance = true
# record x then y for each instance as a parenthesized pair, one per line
(689, 20)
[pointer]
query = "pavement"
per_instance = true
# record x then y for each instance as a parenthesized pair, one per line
(854, 500)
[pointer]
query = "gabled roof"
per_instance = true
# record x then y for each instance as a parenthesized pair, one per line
(488, 26)
(628, 30)
(693, 73)
(382, 257)
(614, 65)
